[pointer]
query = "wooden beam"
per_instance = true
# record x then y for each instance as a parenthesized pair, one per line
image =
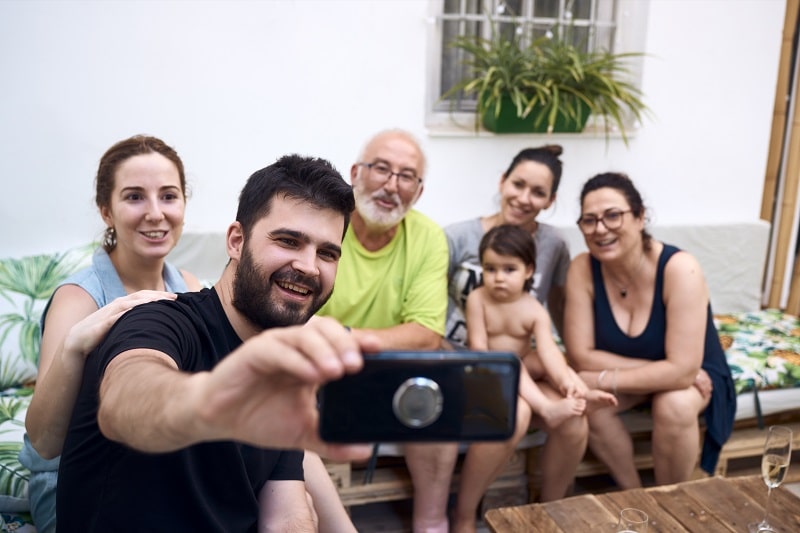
(783, 219)
(780, 111)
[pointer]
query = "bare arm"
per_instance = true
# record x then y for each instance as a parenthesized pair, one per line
(74, 327)
(283, 506)
(409, 336)
(60, 372)
(333, 517)
(686, 298)
(552, 358)
(70, 304)
(263, 393)
(478, 337)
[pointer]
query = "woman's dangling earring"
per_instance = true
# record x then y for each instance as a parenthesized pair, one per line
(109, 238)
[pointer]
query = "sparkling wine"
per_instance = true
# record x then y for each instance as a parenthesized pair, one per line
(773, 469)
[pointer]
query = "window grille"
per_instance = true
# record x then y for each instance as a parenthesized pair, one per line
(591, 24)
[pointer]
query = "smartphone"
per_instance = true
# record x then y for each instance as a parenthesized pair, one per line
(418, 396)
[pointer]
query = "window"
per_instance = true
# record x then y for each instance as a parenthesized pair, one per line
(614, 25)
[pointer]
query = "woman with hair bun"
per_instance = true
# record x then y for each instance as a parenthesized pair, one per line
(527, 187)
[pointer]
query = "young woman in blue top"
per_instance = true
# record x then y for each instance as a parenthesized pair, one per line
(638, 323)
(141, 195)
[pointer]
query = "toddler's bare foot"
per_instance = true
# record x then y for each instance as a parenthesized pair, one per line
(596, 399)
(556, 411)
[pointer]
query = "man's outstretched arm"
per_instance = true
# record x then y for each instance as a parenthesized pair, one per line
(263, 393)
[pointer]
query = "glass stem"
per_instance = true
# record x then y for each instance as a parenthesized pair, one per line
(766, 507)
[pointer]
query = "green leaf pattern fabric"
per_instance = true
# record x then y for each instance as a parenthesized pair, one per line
(25, 286)
(762, 347)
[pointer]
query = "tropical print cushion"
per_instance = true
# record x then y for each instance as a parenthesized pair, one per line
(762, 347)
(25, 286)
(13, 476)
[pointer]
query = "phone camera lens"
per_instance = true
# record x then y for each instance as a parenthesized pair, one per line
(417, 403)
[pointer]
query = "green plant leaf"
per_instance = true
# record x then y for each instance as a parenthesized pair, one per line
(551, 74)
(13, 476)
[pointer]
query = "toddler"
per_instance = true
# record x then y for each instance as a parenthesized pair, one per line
(503, 316)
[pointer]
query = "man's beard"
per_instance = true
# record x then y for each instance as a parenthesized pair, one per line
(374, 215)
(252, 295)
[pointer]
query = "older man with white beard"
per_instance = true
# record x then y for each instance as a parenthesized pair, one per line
(392, 284)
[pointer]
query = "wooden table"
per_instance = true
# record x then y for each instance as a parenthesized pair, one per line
(716, 504)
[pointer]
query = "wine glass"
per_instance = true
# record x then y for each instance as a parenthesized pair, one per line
(774, 465)
(632, 521)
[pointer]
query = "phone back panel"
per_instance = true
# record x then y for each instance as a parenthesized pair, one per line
(476, 391)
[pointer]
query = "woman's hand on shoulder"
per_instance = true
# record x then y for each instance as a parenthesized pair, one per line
(85, 335)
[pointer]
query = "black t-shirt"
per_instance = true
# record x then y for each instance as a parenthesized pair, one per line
(104, 486)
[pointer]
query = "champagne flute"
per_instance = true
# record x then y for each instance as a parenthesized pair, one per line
(632, 521)
(774, 465)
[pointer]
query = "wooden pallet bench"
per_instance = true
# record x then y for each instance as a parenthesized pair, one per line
(391, 482)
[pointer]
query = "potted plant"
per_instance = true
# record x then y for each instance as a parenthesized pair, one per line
(550, 84)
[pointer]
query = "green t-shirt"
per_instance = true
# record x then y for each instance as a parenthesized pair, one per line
(405, 281)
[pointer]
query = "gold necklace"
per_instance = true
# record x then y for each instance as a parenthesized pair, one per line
(623, 291)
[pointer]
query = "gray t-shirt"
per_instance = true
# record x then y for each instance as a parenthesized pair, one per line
(464, 272)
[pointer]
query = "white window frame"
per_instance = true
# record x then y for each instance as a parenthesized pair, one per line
(629, 36)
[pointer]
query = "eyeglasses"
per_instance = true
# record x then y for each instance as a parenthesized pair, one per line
(611, 219)
(406, 179)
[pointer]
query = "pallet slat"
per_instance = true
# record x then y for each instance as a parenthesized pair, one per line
(391, 482)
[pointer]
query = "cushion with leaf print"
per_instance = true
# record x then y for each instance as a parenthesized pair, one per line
(13, 476)
(25, 287)
(762, 348)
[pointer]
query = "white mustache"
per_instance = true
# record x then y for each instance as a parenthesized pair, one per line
(386, 197)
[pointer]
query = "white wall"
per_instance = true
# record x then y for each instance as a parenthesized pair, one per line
(234, 85)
